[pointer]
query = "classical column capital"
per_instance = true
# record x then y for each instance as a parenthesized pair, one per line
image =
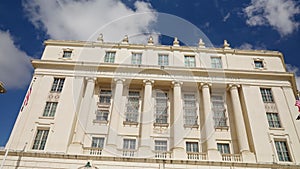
(119, 80)
(148, 81)
(204, 85)
(233, 86)
(90, 79)
(177, 83)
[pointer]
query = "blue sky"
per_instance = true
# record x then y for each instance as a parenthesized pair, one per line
(24, 25)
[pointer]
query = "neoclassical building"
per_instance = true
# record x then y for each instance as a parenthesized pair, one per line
(122, 105)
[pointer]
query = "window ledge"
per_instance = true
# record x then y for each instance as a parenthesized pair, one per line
(62, 58)
(161, 124)
(191, 126)
(100, 122)
(221, 128)
(130, 123)
(46, 117)
(276, 128)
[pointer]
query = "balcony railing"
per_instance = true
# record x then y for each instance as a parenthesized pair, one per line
(128, 153)
(93, 151)
(197, 156)
(162, 154)
(232, 157)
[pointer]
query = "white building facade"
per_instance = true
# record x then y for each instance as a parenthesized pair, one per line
(122, 105)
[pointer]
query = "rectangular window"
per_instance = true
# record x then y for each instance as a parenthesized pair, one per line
(57, 85)
(67, 54)
(136, 58)
(50, 109)
(192, 147)
(266, 95)
(258, 64)
(160, 145)
(97, 142)
(163, 60)
(282, 151)
(219, 111)
(132, 106)
(273, 120)
(189, 61)
(105, 96)
(40, 139)
(190, 109)
(102, 115)
(223, 148)
(216, 62)
(161, 113)
(129, 144)
(109, 57)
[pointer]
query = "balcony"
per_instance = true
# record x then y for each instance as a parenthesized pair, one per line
(197, 156)
(162, 154)
(128, 153)
(92, 151)
(232, 157)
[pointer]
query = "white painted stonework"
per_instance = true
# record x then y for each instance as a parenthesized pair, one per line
(118, 112)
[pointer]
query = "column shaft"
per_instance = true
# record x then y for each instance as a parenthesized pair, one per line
(147, 114)
(117, 109)
(239, 119)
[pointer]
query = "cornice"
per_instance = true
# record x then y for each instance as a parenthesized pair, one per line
(47, 155)
(92, 44)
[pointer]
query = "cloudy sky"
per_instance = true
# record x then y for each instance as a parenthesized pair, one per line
(24, 25)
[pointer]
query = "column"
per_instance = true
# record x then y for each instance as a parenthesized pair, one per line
(240, 124)
(178, 122)
(209, 129)
(82, 116)
(147, 120)
(116, 111)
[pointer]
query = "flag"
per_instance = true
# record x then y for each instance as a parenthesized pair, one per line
(298, 104)
(26, 98)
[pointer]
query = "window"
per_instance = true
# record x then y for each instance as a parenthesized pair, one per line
(160, 145)
(223, 148)
(163, 60)
(102, 115)
(189, 61)
(216, 62)
(97, 142)
(50, 109)
(129, 144)
(219, 111)
(190, 109)
(273, 120)
(258, 64)
(105, 96)
(266, 94)
(40, 139)
(161, 113)
(57, 85)
(132, 106)
(67, 54)
(109, 57)
(282, 151)
(136, 58)
(192, 147)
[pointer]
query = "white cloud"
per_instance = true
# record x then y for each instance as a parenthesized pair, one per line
(15, 66)
(245, 46)
(84, 20)
(295, 70)
(226, 17)
(277, 13)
